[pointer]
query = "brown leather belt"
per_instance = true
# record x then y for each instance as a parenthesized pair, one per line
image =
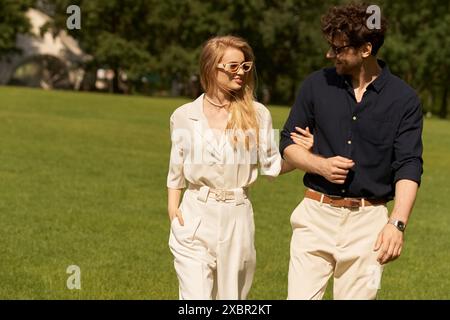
(336, 201)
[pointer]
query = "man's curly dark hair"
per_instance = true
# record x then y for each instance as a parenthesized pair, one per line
(350, 21)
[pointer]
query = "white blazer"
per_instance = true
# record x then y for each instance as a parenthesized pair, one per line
(202, 158)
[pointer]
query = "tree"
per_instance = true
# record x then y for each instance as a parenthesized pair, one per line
(113, 32)
(143, 37)
(12, 21)
(166, 37)
(418, 46)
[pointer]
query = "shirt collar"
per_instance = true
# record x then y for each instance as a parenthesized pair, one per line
(378, 83)
(382, 79)
(196, 109)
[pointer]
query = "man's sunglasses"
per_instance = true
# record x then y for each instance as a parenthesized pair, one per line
(338, 50)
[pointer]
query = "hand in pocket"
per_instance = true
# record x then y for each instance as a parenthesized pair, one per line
(176, 214)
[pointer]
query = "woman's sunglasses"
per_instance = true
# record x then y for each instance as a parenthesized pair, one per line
(234, 66)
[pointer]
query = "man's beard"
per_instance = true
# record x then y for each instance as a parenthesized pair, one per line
(343, 69)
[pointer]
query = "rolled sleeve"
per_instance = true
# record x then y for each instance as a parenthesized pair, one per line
(269, 156)
(175, 177)
(408, 148)
(301, 115)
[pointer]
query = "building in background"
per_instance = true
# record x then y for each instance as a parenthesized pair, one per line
(46, 61)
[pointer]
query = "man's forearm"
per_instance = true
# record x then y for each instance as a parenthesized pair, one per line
(302, 159)
(405, 195)
(286, 167)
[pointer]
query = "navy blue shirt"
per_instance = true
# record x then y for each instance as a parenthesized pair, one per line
(382, 133)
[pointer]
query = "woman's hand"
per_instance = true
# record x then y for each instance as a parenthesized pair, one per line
(173, 202)
(176, 213)
(303, 138)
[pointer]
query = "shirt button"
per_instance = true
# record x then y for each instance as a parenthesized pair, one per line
(349, 142)
(343, 190)
(354, 118)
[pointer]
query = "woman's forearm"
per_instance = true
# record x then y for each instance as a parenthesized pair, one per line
(173, 200)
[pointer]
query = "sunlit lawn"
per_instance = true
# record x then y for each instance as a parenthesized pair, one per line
(82, 181)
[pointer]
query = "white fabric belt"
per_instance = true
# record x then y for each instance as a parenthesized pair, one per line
(236, 195)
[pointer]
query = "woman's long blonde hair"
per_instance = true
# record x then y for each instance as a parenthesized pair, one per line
(243, 112)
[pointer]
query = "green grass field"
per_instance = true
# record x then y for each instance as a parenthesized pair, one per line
(82, 180)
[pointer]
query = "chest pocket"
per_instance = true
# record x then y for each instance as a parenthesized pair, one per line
(377, 131)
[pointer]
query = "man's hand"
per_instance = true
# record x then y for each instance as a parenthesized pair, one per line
(335, 169)
(389, 243)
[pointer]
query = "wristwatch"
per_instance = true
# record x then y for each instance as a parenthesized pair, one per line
(400, 225)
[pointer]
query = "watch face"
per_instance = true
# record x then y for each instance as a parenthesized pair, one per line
(401, 225)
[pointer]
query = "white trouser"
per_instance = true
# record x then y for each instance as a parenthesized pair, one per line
(330, 240)
(214, 251)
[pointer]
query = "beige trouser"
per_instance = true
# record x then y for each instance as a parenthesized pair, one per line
(329, 240)
(214, 250)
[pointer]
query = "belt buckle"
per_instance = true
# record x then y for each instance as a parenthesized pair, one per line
(220, 195)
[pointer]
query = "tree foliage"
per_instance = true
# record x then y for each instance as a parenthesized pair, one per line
(418, 48)
(12, 22)
(162, 39)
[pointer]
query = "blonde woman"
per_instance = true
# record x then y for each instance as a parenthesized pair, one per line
(218, 142)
